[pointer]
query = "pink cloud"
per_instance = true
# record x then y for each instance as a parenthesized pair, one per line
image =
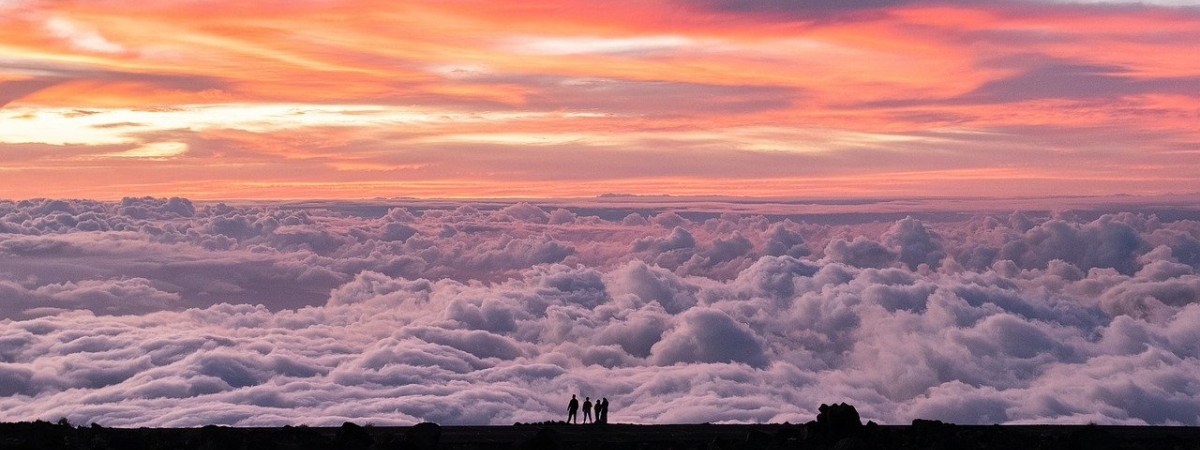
(164, 312)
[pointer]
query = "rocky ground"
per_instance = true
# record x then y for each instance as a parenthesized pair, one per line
(837, 427)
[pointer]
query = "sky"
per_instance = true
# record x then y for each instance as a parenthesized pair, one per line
(263, 213)
(269, 99)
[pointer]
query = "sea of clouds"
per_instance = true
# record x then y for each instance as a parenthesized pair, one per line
(165, 312)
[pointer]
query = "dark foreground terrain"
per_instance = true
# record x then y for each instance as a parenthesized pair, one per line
(922, 435)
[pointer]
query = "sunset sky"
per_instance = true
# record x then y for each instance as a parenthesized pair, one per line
(273, 212)
(357, 99)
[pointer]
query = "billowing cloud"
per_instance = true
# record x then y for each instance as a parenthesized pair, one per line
(709, 336)
(168, 312)
(860, 252)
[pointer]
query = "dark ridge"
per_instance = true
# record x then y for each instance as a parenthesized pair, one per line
(836, 432)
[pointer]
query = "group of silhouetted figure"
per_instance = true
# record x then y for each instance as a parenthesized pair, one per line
(600, 408)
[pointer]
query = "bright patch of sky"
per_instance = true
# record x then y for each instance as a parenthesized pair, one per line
(82, 37)
(60, 126)
(541, 45)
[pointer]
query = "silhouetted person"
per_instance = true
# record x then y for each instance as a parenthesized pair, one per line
(602, 415)
(587, 409)
(572, 408)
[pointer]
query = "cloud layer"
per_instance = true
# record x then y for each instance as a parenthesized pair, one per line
(165, 312)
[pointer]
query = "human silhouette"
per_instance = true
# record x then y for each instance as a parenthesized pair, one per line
(602, 415)
(572, 408)
(587, 409)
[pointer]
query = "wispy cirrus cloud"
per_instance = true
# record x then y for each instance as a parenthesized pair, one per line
(320, 85)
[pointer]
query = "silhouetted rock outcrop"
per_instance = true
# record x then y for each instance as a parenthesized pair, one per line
(835, 422)
(352, 437)
(423, 436)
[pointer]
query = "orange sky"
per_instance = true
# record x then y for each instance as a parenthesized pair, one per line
(459, 98)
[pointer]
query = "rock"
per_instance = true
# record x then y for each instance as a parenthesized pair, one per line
(352, 437)
(836, 422)
(424, 435)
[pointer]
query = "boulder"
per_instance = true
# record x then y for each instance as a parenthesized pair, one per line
(836, 422)
(423, 436)
(353, 437)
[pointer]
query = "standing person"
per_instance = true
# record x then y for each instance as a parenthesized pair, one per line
(602, 416)
(587, 409)
(572, 407)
